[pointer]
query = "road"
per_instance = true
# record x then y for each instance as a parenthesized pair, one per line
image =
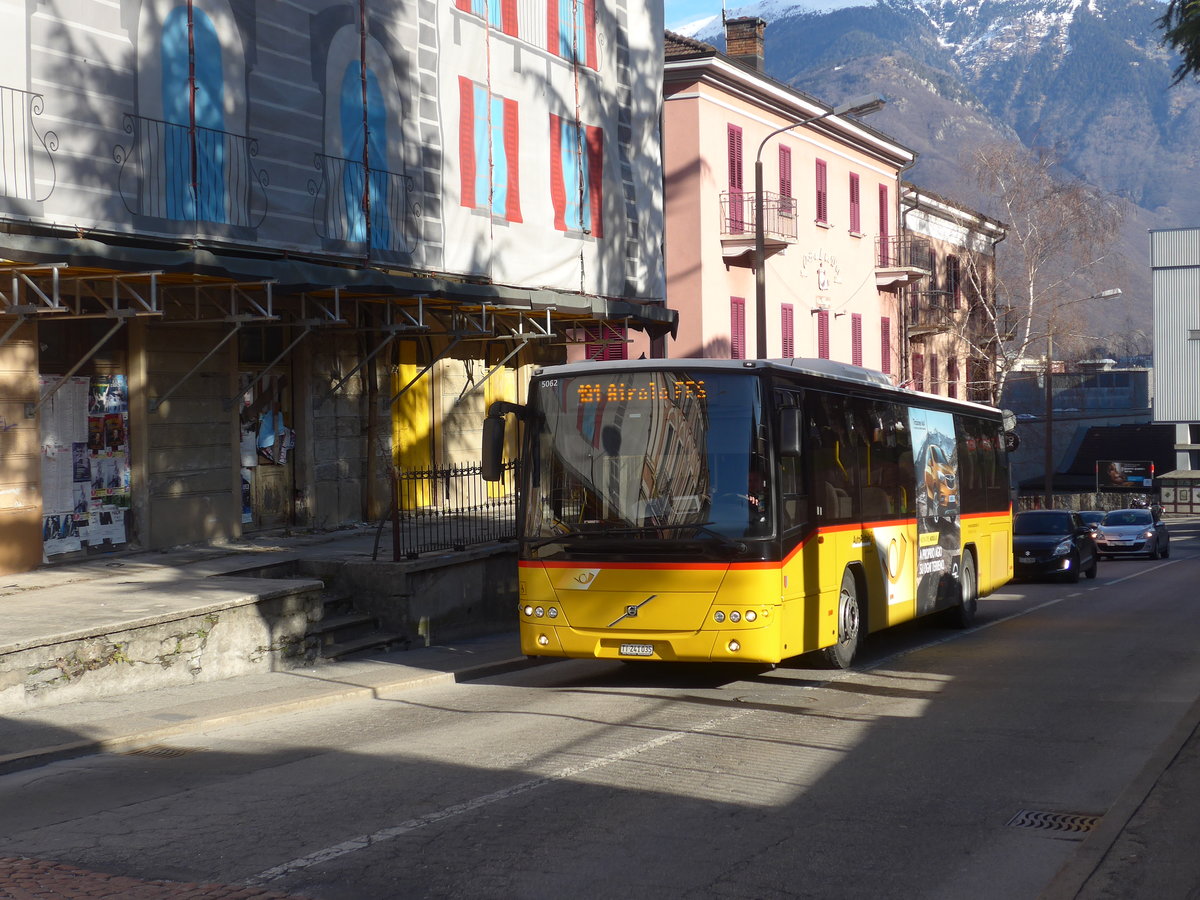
(945, 765)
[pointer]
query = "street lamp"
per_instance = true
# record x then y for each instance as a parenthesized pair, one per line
(859, 106)
(1048, 492)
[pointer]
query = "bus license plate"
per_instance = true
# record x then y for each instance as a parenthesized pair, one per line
(637, 649)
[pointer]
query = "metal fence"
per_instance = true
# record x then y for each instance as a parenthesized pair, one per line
(452, 508)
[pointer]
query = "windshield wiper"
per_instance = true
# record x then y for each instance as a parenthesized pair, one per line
(723, 539)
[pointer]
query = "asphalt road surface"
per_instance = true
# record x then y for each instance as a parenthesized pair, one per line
(945, 765)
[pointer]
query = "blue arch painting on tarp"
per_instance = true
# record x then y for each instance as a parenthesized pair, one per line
(353, 137)
(207, 113)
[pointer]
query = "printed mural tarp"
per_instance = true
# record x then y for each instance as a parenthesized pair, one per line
(939, 538)
(364, 131)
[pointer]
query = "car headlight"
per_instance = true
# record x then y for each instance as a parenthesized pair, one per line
(1063, 548)
(1146, 535)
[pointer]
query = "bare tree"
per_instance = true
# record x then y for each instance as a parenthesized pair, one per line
(1059, 252)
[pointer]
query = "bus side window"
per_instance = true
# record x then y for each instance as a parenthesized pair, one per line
(792, 494)
(832, 458)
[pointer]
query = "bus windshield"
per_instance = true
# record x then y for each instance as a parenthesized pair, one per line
(657, 455)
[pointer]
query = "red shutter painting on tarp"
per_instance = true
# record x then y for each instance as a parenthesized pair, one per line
(595, 152)
(512, 211)
(466, 141)
(558, 194)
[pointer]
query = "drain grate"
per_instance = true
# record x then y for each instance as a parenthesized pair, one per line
(158, 751)
(1073, 824)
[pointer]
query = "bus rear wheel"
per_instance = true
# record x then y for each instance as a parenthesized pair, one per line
(963, 615)
(850, 624)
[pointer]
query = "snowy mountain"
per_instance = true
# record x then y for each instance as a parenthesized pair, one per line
(1088, 78)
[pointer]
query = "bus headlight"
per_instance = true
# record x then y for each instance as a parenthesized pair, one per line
(539, 612)
(543, 641)
(718, 616)
(735, 616)
(529, 610)
(553, 612)
(734, 646)
(751, 615)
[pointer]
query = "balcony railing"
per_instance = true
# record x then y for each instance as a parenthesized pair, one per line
(353, 204)
(902, 251)
(737, 215)
(190, 173)
(23, 175)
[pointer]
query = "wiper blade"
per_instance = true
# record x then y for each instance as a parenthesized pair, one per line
(723, 539)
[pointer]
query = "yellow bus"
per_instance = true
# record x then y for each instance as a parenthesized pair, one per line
(747, 510)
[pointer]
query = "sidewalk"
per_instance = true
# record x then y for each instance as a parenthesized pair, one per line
(1143, 847)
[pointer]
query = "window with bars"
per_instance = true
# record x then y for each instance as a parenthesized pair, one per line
(788, 330)
(953, 281)
(822, 192)
(737, 327)
(856, 355)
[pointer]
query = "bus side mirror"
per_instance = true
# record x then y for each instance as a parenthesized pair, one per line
(492, 463)
(790, 426)
(493, 447)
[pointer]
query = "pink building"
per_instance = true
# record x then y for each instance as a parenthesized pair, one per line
(834, 255)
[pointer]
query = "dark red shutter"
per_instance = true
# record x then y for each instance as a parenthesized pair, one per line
(589, 19)
(885, 251)
(855, 205)
(856, 339)
(737, 328)
(885, 345)
(823, 333)
(789, 330)
(737, 214)
(822, 192)
(508, 16)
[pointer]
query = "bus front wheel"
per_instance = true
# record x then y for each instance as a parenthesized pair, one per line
(850, 625)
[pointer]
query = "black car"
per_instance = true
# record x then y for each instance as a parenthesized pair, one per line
(1051, 543)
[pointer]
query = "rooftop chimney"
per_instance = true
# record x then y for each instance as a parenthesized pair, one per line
(744, 40)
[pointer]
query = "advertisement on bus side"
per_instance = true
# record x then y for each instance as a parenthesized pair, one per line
(939, 539)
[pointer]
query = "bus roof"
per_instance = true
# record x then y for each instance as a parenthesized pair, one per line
(851, 376)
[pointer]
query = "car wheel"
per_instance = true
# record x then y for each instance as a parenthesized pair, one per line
(1153, 554)
(1072, 574)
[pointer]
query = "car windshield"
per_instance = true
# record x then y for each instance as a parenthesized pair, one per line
(1092, 517)
(1128, 517)
(1042, 523)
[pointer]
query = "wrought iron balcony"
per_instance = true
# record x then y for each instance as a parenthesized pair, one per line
(26, 164)
(190, 174)
(930, 312)
(779, 215)
(356, 205)
(901, 260)
(737, 225)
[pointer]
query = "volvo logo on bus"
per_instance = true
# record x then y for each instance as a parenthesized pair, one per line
(631, 611)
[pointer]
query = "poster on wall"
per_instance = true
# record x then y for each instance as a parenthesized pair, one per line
(85, 462)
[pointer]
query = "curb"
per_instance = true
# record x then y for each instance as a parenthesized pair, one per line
(30, 759)
(1071, 879)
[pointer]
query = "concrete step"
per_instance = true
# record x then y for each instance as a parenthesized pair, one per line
(376, 642)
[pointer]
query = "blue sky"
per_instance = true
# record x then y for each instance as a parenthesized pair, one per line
(682, 12)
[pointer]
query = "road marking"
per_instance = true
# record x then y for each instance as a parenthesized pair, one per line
(365, 841)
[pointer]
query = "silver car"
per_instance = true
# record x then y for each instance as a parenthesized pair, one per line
(1129, 532)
